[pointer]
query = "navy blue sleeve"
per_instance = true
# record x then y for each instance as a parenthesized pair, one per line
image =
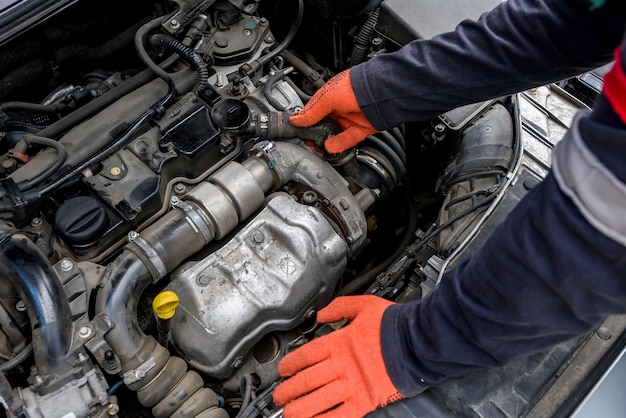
(546, 275)
(518, 45)
(543, 277)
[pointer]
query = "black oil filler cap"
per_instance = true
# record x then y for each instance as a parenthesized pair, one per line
(81, 220)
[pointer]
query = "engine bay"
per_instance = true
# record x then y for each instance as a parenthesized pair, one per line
(167, 236)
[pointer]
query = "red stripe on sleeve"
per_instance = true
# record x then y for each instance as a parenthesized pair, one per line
(615, 87)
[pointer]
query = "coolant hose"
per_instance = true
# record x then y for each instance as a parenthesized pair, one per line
(24, 265)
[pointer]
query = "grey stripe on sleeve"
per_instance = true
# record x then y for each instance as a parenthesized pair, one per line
(597, 193)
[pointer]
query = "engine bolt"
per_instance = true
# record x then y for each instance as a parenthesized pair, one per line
(85, 332)
(174, 200)
(35, 222)
(20, 306)
(174, 24)
(38, 380)
(309, 198)
(269, 39)
(203, 279)
(180, 188)
(82, 358)
(66, 265)
(115, 171)
(113, 410)
(247, 32)
(219, 80)
(257, 237)
(132, 235)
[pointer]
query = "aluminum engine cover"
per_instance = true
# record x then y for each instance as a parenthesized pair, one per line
(286, 261)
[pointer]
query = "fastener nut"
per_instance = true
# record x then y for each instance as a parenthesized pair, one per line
(85, 332)
(66, 265)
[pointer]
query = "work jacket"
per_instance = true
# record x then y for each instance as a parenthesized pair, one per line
(555, 267)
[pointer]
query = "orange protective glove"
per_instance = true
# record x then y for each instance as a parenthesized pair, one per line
(336, 100)
(341, 374)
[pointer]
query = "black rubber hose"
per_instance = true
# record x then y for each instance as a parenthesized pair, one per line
(269, 85)
(56, 164)
(302, 95)
(140, 39)
(245, 387)
(31, 107)
(362, 41)
(288, 39)
(23, 264)
(306, 70)
(190, 56)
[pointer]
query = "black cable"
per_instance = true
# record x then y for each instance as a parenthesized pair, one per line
(369, 276)
(372, 274)
(290, 36)
(154, 111)
(252, 407)
(96, 105)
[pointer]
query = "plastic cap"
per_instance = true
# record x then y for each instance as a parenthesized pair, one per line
(165, 304)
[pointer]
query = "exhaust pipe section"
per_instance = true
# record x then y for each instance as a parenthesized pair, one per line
(209, 211)
(34, 278)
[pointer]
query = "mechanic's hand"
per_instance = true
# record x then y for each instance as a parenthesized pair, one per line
(343, 370)
(337, 101)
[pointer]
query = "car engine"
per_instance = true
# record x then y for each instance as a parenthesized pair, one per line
(167, 236)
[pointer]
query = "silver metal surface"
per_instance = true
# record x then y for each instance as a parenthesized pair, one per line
(75, 399)
(251, 287)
